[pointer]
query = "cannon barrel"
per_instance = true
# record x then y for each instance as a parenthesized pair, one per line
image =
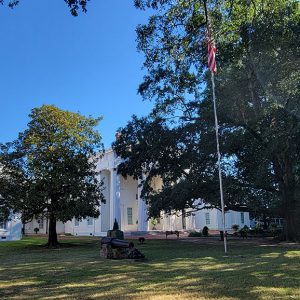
(115, 243)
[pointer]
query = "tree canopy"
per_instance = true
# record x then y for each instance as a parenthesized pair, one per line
(257, 89)
(74, 5)
(51, 168)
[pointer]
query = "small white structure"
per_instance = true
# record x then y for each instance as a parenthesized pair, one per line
(124, 203)
(11, 229)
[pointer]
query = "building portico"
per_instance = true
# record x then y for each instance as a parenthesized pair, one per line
(122, 202)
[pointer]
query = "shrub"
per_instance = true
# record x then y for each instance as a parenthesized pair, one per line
(235, 227)
(195, 234)
(258, 229)
(36, 230)
(68, 234)
(244, 231)
(205, 231)
(275, 231)
(153, 221)
(246, 228)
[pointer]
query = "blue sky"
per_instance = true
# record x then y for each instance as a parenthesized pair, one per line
(87, 63)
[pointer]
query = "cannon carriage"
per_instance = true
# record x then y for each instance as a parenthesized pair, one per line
(116, 248)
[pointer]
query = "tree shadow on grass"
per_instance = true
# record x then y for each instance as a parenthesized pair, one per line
(176, 270)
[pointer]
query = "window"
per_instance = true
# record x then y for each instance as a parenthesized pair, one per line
(129, 215)
(242, 218)
(40, 221)
(207, 218)
(90, 221)
(76, 222)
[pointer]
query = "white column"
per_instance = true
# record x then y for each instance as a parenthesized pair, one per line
(115, 205)
(123, 216)
(100, 207)
(172, 221)
(111, 199)
(142, 211)
(190, 220)
(166, 222)
(193, 221)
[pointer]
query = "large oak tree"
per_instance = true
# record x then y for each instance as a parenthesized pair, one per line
(51, 168)
(257, 89)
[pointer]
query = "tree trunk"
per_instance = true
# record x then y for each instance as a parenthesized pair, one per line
(291, 216)
(52, 235)
(265, 222)
(23, 227)
(290, 199)
(183, 220)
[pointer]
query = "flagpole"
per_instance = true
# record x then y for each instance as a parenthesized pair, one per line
(219, 160)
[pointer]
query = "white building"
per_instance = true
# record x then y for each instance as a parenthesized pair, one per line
(11, 229)
(123, 202)
(40, 224)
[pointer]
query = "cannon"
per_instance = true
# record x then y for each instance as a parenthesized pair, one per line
(115, 248)
(115, 243)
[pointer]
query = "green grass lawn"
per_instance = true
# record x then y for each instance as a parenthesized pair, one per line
(173, 270)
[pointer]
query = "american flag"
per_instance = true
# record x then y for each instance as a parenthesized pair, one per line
(211, 52)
